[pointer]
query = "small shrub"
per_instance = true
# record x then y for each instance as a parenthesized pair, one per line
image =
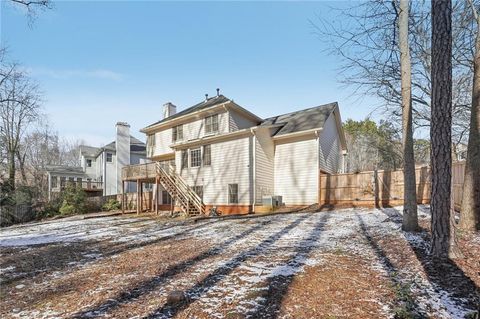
(74, 201)
(112, 204)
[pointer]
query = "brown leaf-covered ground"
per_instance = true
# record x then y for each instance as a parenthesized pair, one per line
(353, 263)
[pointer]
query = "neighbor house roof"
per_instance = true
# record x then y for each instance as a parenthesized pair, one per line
(302, 120)
(62, 169)
(135, 146)
(89, 151)
(197, 107)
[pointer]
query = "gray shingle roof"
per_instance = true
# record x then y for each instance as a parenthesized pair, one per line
(62, 169)
(135, 145)
(197, 107)
(90, 151)
(302, 120)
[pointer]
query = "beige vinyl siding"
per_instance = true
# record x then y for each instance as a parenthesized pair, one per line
(330, 152)
(264, 161)
(238, 121)
(230, 165)
(163, 140)
(296, 171)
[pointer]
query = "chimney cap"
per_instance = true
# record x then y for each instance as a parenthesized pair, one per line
(122, 124)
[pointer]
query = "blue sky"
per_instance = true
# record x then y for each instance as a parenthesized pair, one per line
(102, 62)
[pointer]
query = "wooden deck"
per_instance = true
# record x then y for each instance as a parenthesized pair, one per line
(139, 172)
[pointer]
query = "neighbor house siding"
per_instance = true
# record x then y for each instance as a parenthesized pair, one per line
(296, 171)
(330, 147)
(230, 164)
(264, 162)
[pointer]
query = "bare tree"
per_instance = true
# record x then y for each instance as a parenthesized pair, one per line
(366, 38)
(32, 6)
(19, 108)
(443, 237)
(410, 217)
(470, 213)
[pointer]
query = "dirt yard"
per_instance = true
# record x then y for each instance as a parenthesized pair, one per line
(354, 263)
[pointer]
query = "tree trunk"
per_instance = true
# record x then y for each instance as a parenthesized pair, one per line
(410, 218)
(470, 213)
(11, 171)
(443, 239)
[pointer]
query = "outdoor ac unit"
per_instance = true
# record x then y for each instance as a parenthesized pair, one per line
(273, 201)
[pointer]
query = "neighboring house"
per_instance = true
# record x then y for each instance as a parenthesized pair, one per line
(233, 159)
(101, 167)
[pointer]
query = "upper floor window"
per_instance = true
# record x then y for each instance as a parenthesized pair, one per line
(150, 144)
(195, 157)
(207, 155)
(89, 163)
(109, 157)
(177, 133)
(211, 124)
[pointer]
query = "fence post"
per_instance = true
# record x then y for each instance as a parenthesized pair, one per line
(375, 188)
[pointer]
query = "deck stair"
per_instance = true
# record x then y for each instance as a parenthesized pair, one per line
(176, 186)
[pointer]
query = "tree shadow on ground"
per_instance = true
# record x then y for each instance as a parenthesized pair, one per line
(443, 275)
(221, 272)
(32, 261)
(151, 284)
(278, 285)
(403, 300)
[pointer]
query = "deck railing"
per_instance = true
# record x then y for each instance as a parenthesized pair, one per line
(139, 171)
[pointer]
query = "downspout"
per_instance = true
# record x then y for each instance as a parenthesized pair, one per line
(49, 186)
(104, 178)
(317, 135)
(254, 167)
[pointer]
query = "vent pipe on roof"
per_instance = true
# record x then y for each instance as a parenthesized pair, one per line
(206, 97)
(218, 92)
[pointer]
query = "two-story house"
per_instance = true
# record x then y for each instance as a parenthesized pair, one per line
(100, 168)
(233, 159)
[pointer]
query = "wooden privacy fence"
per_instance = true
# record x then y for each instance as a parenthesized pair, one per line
(382, 188)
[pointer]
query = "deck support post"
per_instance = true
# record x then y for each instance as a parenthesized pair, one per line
(156, 195)
(141, 197)
(138, 197)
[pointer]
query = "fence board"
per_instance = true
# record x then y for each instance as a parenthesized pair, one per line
(363, 189)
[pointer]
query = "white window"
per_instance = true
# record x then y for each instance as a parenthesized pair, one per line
(53, 181)
(199, 191)
(233, 193)
(109, 157)
(89, 163)
(211, 124)
(177, 133)
(195, 157)
(207, 155)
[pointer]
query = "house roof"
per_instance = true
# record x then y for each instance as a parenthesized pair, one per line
(302, 120)
(89, 151)
(63, 169)
(197, 107)
(135, 146)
